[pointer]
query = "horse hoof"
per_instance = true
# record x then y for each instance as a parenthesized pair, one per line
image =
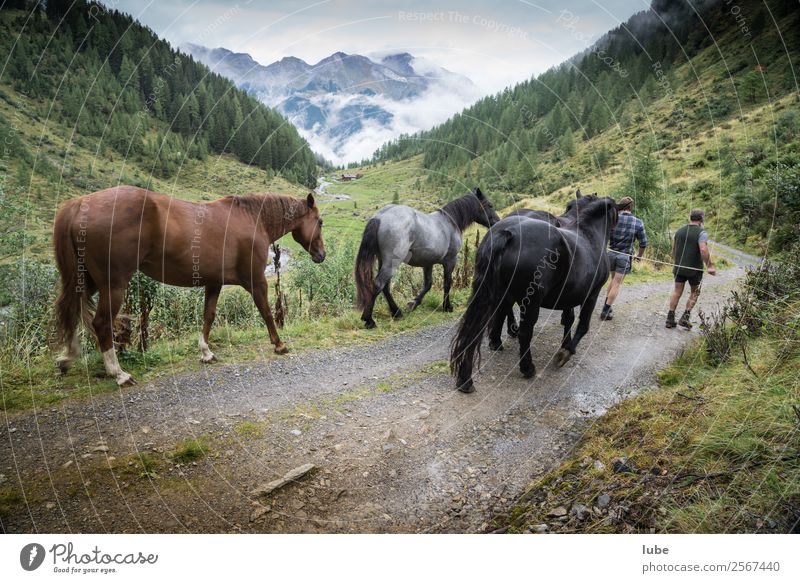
(208, 359)
(496, 346)
(63, 365)
(397, 315)
(467, 387)
(528, 373)
(513, 332)
(369, 324)
(448, 308)
(562, 356)
(125, 380)
(281, 349)
(411, 306)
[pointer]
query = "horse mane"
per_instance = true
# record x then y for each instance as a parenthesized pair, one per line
(463, 210)
(273, 211)
(599, 208)
(596, 208)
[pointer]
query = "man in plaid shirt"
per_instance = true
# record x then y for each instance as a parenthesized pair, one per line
(628, 229)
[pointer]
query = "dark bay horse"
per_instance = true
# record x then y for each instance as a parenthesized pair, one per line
(102, 239)
(536, 265)
(400, 234)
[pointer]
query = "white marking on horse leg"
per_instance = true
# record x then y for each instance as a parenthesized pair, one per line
(208, 356)
(114, 369)
(72, 352)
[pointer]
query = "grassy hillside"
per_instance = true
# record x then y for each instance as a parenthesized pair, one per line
(712, 105)
(66, 165)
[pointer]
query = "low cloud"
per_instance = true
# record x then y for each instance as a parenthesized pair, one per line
(436, 104)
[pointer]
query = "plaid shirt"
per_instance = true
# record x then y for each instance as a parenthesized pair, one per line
(628, 228)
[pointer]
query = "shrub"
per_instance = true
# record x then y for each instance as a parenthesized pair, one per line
(328, 287)
(30, 287)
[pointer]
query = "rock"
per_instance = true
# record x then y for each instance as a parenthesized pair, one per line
(101, 449)
(538, 528)
(65, 465)
(50, 505)
(598, 465)
(296, 432)
(580, 511)
(557, 512)
(145, 430)
(258, 512)
(3, 479)
(622, 466)
(603, 500)
(290, 476)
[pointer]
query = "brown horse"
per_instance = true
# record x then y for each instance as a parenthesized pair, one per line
(103, 238)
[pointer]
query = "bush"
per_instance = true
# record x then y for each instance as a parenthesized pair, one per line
(328, 287)
(30, 286)
(768, 292)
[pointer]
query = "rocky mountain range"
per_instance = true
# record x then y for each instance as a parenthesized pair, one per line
(347, 105)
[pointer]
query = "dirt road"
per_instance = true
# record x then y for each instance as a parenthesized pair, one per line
(396, 448)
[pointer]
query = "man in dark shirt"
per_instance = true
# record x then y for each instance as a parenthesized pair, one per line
(689, 253)
(628, 229)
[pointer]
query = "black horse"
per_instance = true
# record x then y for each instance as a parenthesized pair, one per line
(536, 265)
(562, 220)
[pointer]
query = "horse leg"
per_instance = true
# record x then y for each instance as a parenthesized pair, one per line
(567, 319)
(496, 327)
(394, 309)
(73, 351)
(584, 318)
(511, 327)
(72, 339)
(209, 312)
(103, 323)
(259, 293)
(427, 273)
(448, 281)
(385, 274)
(526, 324)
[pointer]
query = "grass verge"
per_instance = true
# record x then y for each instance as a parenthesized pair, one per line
(712, 449)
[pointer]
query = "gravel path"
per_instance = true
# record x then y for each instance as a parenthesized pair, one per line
(396, 448)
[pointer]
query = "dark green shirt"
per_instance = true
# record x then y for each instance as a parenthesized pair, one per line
(688, 260)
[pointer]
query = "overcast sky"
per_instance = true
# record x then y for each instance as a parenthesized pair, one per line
(494, 43)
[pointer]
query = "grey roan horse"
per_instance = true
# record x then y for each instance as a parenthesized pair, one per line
(400, 234)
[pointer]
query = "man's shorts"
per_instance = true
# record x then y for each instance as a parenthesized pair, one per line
(694, 280)
(619, 262)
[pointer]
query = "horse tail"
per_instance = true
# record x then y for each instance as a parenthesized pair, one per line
(74, 301)
(487, 293)
(365, 260)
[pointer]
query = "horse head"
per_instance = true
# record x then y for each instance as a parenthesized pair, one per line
(308, 231)
(600, 215)
(580, 202)
(486, 216)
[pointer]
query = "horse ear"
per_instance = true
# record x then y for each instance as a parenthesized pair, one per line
(477, 192)
(578, 193)
(310, 200)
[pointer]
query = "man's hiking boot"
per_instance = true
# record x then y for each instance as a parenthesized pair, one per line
(671, 323)
(684, 321)
(607, 314)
